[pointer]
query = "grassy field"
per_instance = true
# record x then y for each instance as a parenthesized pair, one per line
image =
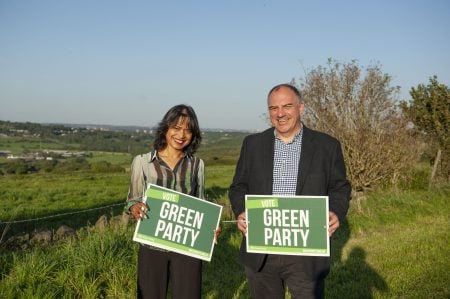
(43, 194)
(394, 244)
(19, 145)
(35, 196)
(122, 159)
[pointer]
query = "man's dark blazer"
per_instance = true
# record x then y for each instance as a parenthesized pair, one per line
(321, 172)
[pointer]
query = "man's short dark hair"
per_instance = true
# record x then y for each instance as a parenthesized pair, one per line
(289, 86)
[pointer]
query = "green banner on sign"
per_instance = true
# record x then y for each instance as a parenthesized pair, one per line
(179, 222)
(291, 225)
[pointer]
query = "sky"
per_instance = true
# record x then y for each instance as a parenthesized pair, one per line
(127, 62)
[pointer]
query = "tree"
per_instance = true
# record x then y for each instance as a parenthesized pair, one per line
(360, 108)
(429, 112)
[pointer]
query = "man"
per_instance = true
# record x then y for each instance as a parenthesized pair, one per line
(288, 159)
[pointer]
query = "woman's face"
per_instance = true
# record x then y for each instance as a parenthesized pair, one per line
(179, 135)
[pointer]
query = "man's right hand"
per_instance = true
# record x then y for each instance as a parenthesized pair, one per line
(242, 223)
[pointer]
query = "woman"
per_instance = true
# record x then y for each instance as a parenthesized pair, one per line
(170, 164)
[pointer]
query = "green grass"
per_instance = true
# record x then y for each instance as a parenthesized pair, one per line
(19, 145)
(41, 195)
(403, 257)
(394, 245)
(396, 206)
(95, 265)
(123, 159)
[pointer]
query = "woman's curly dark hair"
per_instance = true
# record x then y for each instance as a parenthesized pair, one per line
(171, 118)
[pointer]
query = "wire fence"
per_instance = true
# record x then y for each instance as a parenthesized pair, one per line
(60, 214)
(79, 212)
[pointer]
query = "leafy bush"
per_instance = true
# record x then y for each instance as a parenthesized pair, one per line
(46, 165)
(72, 164)
(359, 107)
(16, 167)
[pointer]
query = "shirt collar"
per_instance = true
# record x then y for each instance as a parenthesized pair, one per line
(296, 137)
(154, 155)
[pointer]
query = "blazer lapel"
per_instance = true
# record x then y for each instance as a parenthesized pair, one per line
(306, 157)
(267, 148)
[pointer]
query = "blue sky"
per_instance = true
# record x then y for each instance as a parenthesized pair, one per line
(127, 62)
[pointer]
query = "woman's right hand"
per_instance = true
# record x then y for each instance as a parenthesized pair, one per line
(139, 211)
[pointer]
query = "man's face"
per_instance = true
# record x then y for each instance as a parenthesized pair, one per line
(285, 111)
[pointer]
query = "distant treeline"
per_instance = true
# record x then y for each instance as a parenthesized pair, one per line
(81, 138)
(20, 166)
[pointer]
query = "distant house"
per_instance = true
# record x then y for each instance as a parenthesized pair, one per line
(47, 155)
(70, 155)
(65, 154)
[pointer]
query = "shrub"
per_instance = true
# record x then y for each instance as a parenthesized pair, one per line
(361, 111)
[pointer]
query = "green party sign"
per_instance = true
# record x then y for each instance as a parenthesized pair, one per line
(291, 225)
(178, 222)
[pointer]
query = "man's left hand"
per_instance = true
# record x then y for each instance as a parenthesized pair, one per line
(333, 222)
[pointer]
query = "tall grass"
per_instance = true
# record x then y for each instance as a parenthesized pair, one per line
(376, 254)
(94, 265)
(394, 245)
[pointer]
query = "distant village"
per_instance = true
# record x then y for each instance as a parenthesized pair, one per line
(39, 155)
(43, 155)
(46, 154)
(63, 131)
